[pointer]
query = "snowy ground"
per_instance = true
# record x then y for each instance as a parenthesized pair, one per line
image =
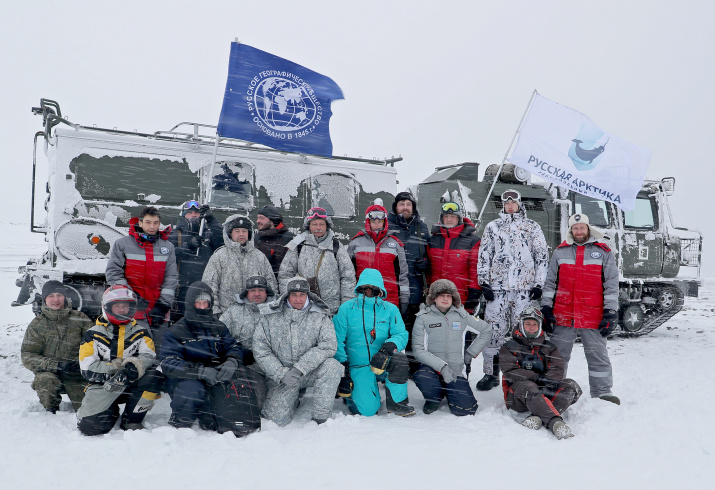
(662, 436)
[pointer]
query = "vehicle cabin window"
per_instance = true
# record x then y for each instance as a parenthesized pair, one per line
(643, 216)
(129, 178)
(595, 209)
(232, 185)
(335, 193)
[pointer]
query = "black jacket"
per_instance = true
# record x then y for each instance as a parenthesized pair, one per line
(414, 234)
(272, 243)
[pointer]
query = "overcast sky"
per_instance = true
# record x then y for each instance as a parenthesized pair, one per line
(437, 84)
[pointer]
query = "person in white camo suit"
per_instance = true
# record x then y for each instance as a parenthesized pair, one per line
(513, 260)
(294, 345)
(236, 261)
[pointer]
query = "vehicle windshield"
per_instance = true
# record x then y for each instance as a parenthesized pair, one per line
(595, 209)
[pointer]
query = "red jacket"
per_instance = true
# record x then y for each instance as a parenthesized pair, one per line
(580, 283)
(148, 268)
(453, 254)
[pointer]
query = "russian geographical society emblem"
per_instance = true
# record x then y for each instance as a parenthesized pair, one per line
(283, 104)
(586, 148)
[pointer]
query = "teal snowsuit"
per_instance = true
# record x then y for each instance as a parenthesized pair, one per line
(354, 323)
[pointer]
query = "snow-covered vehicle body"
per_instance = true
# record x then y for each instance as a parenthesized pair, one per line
(99, 178)
(659, 263)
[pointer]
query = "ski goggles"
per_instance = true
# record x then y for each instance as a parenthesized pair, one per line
(511, 196)
(188, 205)
(376, 215)
(450, 207)
(317, 213)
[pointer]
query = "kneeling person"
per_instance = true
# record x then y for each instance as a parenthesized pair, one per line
(116, 357)
(534, 376)
(294, 345)
(371, 334)
(198, 354)
(439, 344)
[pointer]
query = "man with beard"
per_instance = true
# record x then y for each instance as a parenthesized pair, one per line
(272, 236)
(193, 251)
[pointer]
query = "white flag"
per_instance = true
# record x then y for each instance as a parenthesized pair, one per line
(565, 147)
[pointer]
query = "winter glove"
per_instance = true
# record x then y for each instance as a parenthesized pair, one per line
(549, 319)
(208, 374)
(227, 369)
(546, 382)
(379, 362)
(292, 377)
(345, 388)
(142, 304)
(472, 299)
(158, 313)
(608, 323)
(206, 214)
(488, 292)
(193, 243)
(68, 367)
(422, 265)
(447, 374)
(125, 376)
(535, 293)
(532, 363)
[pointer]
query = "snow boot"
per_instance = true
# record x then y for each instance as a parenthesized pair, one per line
(430, 407)
(488, 382)
(610, 397)
(207, 421)
(560, 429)
(532, 422)
(402, 408)
(319, 421)
(126, 425)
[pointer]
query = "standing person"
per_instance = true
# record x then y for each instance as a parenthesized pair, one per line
(534, 377)
(377, 247)
(409, 228)
(232, 264)
(317, 255)
(439, 344)
(294, 345)
(242, 319)
(198, 353)
(116, 357)
(371, 334)
(581, 299)
(272, 236)
(453, 254)
(193, 251)
(145, 261)
(49, 348)
(512, 269)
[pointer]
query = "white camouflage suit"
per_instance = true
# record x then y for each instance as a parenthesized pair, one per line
(303, 339)
(513, 258)
(231, 265)
(336, 277)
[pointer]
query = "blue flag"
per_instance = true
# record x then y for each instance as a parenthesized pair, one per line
(277, 103)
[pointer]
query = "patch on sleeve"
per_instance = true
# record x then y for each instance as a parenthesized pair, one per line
(164, 250)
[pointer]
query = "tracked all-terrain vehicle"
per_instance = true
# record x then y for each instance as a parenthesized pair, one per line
(659, 263)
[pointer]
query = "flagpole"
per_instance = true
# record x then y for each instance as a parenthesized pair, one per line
(501, 165)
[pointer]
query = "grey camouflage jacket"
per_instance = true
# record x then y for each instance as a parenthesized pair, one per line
(439, 339)
(336, 278)
(231, 265)
(242, 318)
(288, 338)
(513, 254)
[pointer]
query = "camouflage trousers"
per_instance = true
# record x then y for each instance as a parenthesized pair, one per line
(501, 314)
(282, 400)
(49, 387)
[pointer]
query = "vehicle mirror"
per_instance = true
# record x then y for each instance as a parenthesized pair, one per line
(668, 184)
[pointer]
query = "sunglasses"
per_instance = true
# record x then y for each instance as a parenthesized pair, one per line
(191, 204)
(317, 213)
(510, 196)
(376, 215)
(450, 207)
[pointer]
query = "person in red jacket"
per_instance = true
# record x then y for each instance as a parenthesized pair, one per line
(145, 261)
(453, 253)
(377, 247)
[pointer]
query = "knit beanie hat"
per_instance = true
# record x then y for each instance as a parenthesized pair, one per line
(404, 196)
(53, 287)
(203, 296)
(443, 286)
(272, 214)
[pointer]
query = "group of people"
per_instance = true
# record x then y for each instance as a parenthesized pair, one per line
(235, 323)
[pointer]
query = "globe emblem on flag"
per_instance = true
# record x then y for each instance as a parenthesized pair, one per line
(283, 105)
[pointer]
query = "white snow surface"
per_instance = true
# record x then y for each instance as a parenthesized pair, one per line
(660, 437)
